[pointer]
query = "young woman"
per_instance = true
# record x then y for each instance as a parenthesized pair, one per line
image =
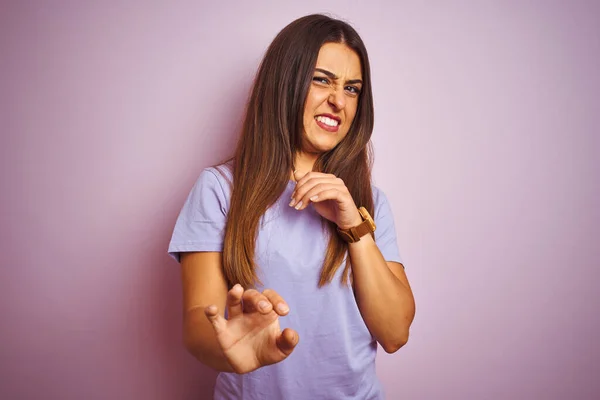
(291, 271)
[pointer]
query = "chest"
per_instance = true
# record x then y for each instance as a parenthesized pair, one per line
(291, 244)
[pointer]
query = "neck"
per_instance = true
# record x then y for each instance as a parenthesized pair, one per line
(304, 162)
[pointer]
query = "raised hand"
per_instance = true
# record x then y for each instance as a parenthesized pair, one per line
(251, 337)
(330, 198)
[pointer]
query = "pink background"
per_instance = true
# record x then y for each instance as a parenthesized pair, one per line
(486, 142)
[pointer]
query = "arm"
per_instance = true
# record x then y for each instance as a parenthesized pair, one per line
(203, 284)
(382, 291)
(251, 336)
(383, 294)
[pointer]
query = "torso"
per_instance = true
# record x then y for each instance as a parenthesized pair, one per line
(335, 357)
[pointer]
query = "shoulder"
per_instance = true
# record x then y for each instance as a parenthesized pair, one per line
(218, 178)
(379, 196)
(222, 172)
(212, 189)
(385, 234)
(380, 204)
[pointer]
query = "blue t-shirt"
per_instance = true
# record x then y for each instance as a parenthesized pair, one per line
(335, 357)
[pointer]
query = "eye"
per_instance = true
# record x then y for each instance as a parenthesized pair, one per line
(321, 79)
(353, 90)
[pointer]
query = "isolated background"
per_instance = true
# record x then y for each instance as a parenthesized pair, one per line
(487, 144)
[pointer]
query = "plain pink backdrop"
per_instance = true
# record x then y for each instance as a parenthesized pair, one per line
(487, 144)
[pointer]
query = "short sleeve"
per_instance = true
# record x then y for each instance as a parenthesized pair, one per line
(385, 232)
(201, 222)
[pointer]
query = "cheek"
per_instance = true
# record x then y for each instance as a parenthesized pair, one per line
(351, 114)
(316, 98)
(309, 107)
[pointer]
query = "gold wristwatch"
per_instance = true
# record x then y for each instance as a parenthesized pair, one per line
(353, 235)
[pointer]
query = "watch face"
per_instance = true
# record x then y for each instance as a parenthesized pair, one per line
(367, 217)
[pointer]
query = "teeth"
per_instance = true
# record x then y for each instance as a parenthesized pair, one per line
(327, 121)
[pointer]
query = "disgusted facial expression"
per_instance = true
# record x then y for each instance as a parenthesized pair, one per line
(332, 98)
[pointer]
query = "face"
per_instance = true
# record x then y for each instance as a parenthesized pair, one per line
(332, 99)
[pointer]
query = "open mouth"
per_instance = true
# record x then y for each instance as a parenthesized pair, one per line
(331, 122)
(328, 122)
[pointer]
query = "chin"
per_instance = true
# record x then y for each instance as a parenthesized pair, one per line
(323, 146)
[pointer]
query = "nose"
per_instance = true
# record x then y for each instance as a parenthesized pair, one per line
(337, 99)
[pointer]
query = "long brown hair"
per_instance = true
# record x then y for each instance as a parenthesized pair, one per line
(271, 136)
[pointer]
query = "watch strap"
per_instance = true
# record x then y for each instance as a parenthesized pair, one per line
(353, 235)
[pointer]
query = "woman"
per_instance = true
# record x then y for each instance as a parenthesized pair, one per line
(278, 232)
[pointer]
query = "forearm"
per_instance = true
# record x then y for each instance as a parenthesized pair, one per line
(201, 342)
(385, 302)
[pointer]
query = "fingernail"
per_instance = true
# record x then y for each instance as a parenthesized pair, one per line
(282, 308)
(298, 205)
(314, 198)
(292, 202)
(263, 305)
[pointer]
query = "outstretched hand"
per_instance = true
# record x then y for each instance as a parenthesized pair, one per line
(251, 337)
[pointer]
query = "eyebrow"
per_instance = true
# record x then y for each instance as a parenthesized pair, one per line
(331, 75)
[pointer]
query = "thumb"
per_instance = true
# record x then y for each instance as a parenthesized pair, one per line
(287, 341)
(215, 318)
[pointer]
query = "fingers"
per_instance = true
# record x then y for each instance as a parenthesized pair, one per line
(254, 300)
(234, 301)
(279, 305)
(301, 177)
(325, 192)
(287, 341)
(313, 178)
(215, 318)
(311, 185)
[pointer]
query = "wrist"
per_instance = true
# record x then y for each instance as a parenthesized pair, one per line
(354, 232)
(357, 220)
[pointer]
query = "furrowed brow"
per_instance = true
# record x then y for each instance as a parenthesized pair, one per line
(334, 77)
(329, 74)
